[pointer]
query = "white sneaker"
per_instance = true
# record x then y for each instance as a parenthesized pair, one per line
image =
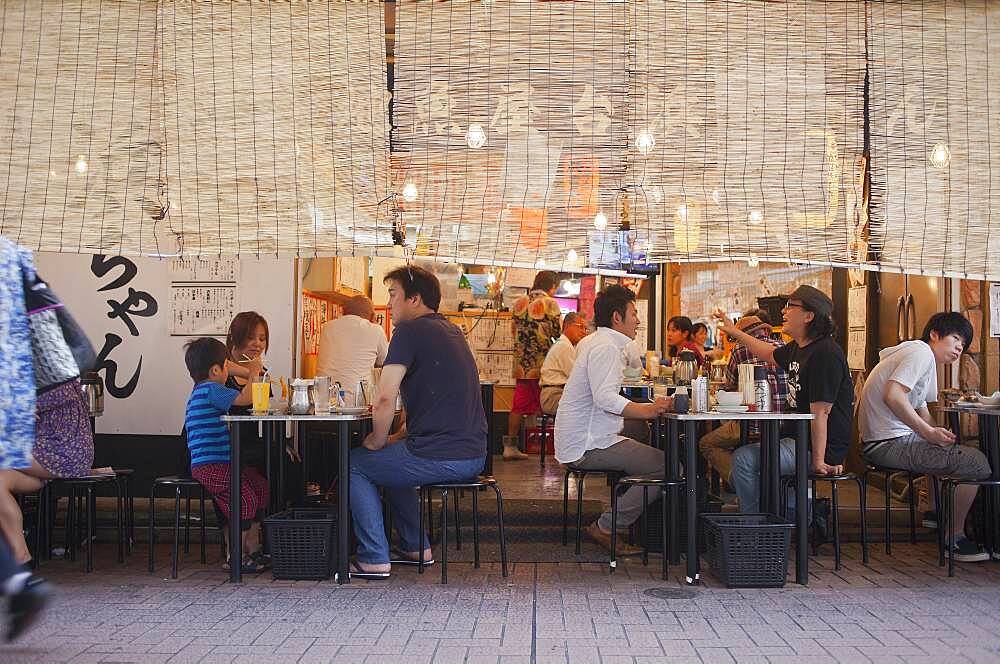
(966, 551)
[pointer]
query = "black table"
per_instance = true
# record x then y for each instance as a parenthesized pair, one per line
(770, 476)
(486, 392)
(989, 443)
(343, 485)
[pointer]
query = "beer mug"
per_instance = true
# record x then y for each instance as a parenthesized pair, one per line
(321, 395)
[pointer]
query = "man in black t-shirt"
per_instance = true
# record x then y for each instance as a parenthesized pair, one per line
(444, 440)
(819, 382)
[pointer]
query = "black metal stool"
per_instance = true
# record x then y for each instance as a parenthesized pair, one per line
(78, 489)
(180, 485)
(580, 474)
(887, 473)
(645, 483)
(948, 486)
(444, 487)
(789, 481)
(544, 432)
(124, 477)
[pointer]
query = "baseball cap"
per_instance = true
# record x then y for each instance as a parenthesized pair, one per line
(813, 299)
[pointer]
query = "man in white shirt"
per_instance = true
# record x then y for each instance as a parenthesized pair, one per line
(588, 431)
(559, 360)
(897, 431)
(351, 346)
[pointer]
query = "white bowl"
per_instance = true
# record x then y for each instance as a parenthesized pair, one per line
(729, 398)
(993, 402)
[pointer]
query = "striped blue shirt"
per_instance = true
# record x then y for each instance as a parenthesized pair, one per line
(207, 435)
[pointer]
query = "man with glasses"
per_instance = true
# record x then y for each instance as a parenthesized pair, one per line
(559, 360)
(819, 383)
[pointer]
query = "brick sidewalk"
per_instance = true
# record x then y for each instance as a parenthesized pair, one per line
(902, 608)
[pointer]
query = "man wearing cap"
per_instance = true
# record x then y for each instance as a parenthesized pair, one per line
(717, 446)
(818, 383)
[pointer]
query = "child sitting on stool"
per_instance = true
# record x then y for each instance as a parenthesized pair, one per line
(208, 440)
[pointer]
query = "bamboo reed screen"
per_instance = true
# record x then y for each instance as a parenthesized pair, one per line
(276, 126)
(221, 127)
(755, 114)
(543, 85)
(935, 132)
(79, 150)
(715, 130)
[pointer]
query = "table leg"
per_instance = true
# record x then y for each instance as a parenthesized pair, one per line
(279, 430)
(235, 532)
(764, 454)
(343, 504)
(268, 452)
(774, 458)
(802, 503)
(673, 466)
(486, 392)
(691, 484)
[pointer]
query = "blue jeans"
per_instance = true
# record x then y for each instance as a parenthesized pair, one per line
(399, 472)
(745, 476)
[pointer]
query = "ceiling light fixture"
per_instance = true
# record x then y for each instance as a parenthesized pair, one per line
(644, 142)
(476, 136)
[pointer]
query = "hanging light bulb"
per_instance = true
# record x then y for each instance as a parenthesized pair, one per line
(491, 278)
(571, 256)
(940, 156)
(716, 196)
(600, 221)
(540, 263)
(644, 142)
(755, 217)
(409, 192)
(476, 136)
(81, 164)
(687, 227)
(753, 261)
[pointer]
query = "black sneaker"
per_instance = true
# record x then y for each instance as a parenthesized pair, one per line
(967, 551)
(821, 521)
(26, 605)
(929, 520)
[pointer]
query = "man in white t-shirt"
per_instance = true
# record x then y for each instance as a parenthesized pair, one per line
(897, 430)
(351, 346)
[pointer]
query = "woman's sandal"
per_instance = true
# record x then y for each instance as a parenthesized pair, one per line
(357, 572)
(397, 557)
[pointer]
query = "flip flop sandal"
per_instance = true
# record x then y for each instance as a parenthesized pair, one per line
(357, 572)
(397, 557)
(249, 566)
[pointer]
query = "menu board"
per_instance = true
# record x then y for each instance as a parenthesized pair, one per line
(202, 310)
(492, 343)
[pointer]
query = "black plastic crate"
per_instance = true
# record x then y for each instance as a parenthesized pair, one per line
(748, 550)
(654, 522)
(303, 543)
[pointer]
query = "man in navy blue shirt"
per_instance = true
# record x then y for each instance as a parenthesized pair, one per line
(430, 364)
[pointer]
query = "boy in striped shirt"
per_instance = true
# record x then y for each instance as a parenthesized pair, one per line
(208, 440)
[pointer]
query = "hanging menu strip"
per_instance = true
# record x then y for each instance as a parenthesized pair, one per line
(201, 270)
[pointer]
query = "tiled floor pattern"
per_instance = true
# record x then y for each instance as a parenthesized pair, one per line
(899, 609)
